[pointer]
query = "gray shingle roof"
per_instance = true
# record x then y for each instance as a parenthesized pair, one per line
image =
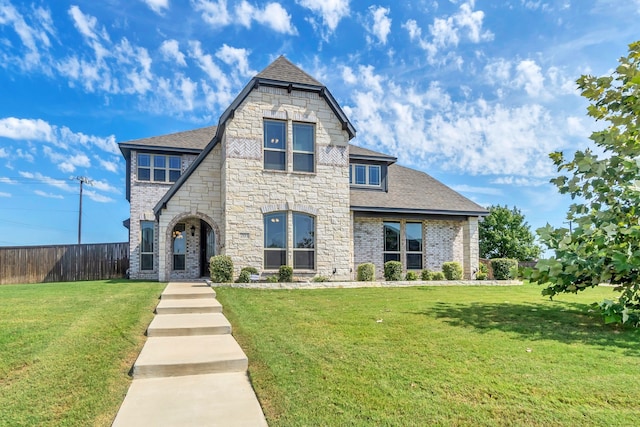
(195, 139)
(283, 70)
(359, 152)
(416, 192)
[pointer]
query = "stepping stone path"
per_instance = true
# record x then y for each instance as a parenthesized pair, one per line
(191, 371)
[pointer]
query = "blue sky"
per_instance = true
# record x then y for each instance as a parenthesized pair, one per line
(475, 93)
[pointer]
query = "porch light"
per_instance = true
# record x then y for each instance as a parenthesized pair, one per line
(193, 230)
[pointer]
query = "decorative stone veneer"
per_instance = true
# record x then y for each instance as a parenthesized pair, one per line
(250, 191)
(443, 240)
(199, 197)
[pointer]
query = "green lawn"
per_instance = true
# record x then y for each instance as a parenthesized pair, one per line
(435, 356)
(66, 349)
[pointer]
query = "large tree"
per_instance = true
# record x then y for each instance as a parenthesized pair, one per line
(604, 245)
(505, 234)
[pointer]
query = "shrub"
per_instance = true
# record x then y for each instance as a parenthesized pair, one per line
(245, 274)
(504, 268)
(272, 279)
(426, 274)
(411, 275)
(285, 274)
(221, 269)
(393, 271)
(483, 272)
(366, 272)
(318, 279)
(437, 275)
(452, 270)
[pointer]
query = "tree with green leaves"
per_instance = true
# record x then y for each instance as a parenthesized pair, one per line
(604, 245)
(504, 233)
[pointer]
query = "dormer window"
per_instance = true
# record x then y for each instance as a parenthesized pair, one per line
(364, 175)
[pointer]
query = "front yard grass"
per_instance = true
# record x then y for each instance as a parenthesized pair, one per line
(435, 356)
(66, 349)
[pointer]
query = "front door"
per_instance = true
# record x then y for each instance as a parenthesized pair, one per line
(207, 247)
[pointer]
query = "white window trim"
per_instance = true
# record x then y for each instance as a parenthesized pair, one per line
(367, 168)
(167, 169)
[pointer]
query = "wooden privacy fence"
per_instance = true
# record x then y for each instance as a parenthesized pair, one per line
(63, 263)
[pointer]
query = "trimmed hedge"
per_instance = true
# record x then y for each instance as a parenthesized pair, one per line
(411, 276)
(245, 274)
(504, 268)
(426, 275)
(285, 274)
(393, 271)
(452, 270)
(366, 272)
(221, 269)
(437, 275)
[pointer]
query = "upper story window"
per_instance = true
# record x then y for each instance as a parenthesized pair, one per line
(365, 175)
(303, 147)
(275, 145)
(158, 168)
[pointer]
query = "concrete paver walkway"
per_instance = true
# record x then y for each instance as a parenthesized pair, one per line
(191, 371)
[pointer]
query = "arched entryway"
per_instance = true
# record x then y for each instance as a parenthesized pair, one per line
(191, 240)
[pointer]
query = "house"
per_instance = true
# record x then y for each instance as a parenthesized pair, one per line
(277, 182)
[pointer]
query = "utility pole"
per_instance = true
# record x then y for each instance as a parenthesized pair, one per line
(570, 226)
(82, 180)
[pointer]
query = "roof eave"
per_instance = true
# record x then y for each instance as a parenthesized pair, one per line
(412, 211)
(389, 160)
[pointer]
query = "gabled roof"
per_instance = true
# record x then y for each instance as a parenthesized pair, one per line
(283, 70)
(281, 73)
(191, 140)
(359, 153)
(413, 192)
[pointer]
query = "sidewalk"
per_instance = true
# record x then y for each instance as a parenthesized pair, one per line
(191, 371)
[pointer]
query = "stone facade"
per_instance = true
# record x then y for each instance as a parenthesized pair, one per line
(251, 191)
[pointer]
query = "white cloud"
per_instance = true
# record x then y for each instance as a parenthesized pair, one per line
(97, 197)
(426, 127)
(331, 12)
(529, 77)
(65, 162)
(104, 186)
(48, 195)
(34, 37)
(108, 165)
(519, 181)
(26, 129)
(57, 183)
(489, 191)
(5, 180)
(381, 25)
(22, 154)
(3, 153)
(231, 55)
(170, 50)
(446, 33)
(415, 32)
(3, 194)
(214, 12)
(222, 96)
(158, 6)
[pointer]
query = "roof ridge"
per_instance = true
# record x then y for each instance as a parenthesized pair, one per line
(282, 69)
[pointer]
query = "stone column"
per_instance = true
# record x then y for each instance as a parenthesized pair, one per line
(471, 247)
